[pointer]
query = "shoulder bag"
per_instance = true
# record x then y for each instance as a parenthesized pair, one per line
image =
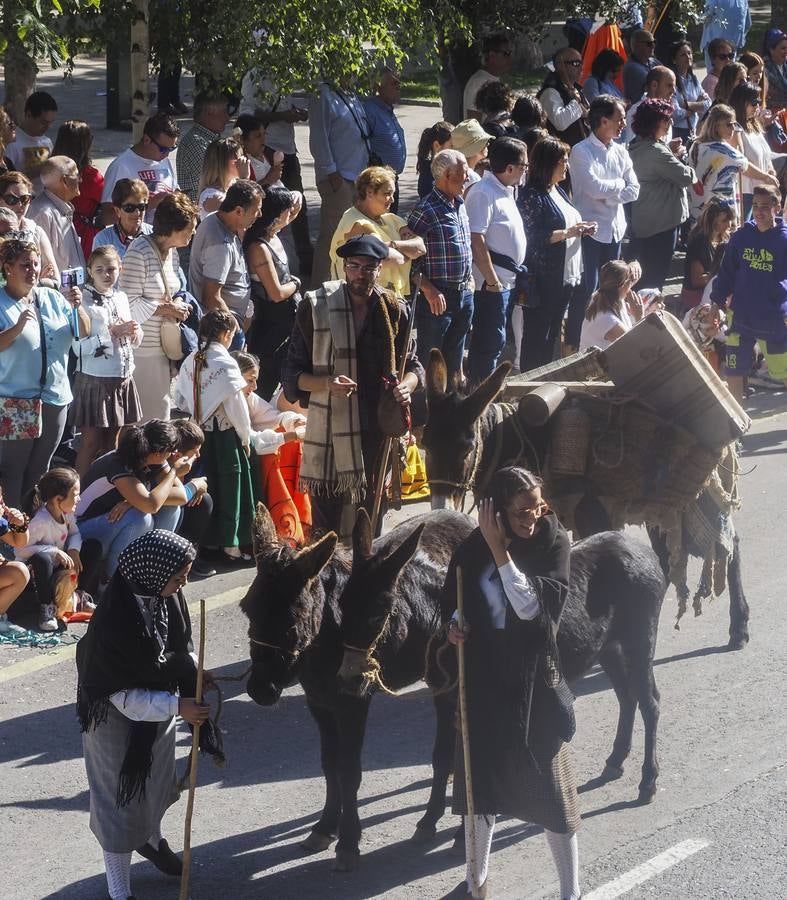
(20, 420)
(171, 343)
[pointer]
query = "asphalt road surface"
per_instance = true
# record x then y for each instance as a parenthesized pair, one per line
(716, 829)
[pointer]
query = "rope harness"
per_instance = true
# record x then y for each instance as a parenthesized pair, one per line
(469, 482)
(371, 675)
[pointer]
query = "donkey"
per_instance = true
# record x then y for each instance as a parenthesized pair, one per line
(611, 616)
(295, 613)
(467, 438)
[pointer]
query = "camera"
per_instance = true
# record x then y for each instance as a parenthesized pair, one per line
(72, 277)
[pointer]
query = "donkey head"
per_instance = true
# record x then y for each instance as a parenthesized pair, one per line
(368, 601)
(284, 606)
(450, 435)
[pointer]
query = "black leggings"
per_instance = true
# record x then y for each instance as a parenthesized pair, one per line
(44, 569)
(196, 519)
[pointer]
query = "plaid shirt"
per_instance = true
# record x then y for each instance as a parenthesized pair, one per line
(445, 228)
(191, 153)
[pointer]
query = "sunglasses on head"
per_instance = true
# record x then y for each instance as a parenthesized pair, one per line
(17, 200)
(134, 207)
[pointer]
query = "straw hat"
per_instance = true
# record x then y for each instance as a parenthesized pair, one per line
(470, 138)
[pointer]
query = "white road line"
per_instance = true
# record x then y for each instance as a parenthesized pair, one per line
(642, 873)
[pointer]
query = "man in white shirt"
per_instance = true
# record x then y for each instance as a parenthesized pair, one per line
(498, 58)
(32, 146)
(279, 113)
(602, 180)
(497, 238)
(149, 161)
(53, 211)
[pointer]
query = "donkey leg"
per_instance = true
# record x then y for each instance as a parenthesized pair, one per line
(352, 716)
(648, 698)
(324, 832)
(442, 766)
(739, 608)
(612, 662)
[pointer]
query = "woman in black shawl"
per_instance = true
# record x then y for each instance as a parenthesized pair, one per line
(515, 570)
(136, 673)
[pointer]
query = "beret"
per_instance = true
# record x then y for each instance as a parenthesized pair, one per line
(363, 245)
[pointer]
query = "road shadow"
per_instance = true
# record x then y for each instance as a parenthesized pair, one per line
(692, 654)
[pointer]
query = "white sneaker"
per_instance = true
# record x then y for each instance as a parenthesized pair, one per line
(47, 620)
(7, 627)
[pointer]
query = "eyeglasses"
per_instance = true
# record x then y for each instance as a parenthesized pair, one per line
(523, 166)
(17, 199)
(163, 148)
(725, 56)
(134, 207)
(358, 267)
(650, 43)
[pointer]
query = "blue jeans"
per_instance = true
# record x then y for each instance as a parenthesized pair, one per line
(114, 537)
(489, 333)
(447, 332)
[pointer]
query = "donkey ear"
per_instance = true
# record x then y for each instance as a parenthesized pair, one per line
(362, 535)
(312, 559)
(436, 373)
(398, 558)
(263, 530)
(474, 405)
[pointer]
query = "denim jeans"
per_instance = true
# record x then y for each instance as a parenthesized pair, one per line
(114, 537)
(489, 333)
(448, 331)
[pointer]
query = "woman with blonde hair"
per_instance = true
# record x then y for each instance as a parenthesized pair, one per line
(374, 192)
(717, 163)
(614, 309)
(223, 164)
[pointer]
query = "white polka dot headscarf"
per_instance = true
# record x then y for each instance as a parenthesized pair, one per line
(150, 561)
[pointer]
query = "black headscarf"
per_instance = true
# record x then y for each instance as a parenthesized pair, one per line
(124, 648)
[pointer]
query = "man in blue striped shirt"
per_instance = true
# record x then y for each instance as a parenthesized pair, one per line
(386, 135)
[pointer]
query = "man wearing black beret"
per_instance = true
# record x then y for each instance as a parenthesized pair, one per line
(349, 336)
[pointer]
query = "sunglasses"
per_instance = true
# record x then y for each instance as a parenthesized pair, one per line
(134, 207)
(163, 148)
(17, 200)
(725, 56)
(648, 43)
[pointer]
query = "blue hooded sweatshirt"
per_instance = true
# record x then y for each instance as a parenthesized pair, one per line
(754, 271)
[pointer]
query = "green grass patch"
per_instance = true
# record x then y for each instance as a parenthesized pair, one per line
(424, 85)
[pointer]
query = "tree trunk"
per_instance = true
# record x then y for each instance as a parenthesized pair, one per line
(458, 61)
(140, 62)
(20, 78)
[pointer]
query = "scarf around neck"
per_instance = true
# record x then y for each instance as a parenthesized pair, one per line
(219, 378)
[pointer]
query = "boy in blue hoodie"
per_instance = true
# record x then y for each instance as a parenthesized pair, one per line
(754, 272)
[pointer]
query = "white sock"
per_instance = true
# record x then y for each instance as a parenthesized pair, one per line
(517, 327)
(155, 839)
(565, 852)
(118, 866)
(484, 829)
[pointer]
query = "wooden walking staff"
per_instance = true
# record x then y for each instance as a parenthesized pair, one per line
(470, 849)
(184, 878)
(379, 484)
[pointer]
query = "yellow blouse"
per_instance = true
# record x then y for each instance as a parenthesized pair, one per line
(392, 275)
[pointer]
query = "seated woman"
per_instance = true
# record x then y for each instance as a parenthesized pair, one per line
(280, 457)
(275, 292)
(14, 576)
(613, 309)
(130, 490)
(224, 163)
(136, 673)
(374, 193)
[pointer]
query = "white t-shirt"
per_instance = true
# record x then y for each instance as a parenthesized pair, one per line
(259, 92)
(758, 153)
(593, 331)
(26, 152)
(492, 212)
(476, 81)
(157, 175)
(572, 270)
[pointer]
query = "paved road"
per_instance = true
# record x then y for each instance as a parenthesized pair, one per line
(716, 828)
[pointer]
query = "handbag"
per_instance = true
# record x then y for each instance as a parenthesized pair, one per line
(20, 420)
(559, 701)
(171, 342)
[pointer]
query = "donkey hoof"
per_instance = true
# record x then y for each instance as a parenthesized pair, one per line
(646, 794)
(346, 860)
(423, 835)
(738, 642)
(612, 773)
(316, 842)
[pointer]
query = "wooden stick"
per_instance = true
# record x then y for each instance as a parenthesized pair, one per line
(184, 878)
(460, 653)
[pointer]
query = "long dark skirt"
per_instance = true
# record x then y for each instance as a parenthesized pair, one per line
(234, 485)
(505, 780)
